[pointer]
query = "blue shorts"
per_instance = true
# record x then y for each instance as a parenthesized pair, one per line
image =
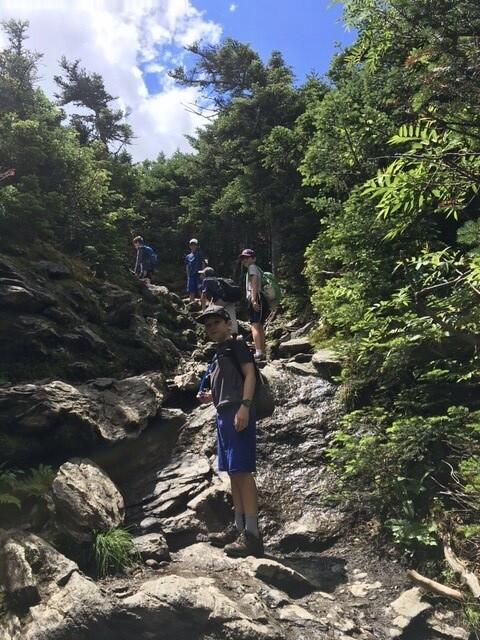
(259, 316)
(236, 450)
(193, 283)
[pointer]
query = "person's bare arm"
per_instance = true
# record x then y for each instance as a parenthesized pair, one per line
(254, 288)
(241, 417)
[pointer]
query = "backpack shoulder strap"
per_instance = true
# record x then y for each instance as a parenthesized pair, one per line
(258, 375)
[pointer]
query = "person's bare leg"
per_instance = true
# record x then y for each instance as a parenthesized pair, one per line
(258, 335)
(236, 493)
(249, 496)
(248, 492)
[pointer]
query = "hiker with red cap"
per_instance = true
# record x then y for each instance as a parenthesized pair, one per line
(257, 305)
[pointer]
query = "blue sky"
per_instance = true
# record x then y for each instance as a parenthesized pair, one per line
(307, 33)
(304, 31)
(133, 44)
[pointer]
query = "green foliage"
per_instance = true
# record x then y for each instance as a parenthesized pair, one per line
(16, 485)
(113, 551)
(412, 534)
(8, 480)
(471, 613)
(36, 481)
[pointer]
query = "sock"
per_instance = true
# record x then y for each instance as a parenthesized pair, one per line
(239, 520)
(251, 524)
(258, 353)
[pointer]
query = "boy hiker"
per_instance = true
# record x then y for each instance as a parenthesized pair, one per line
(215, 291)
(257, 305)
(232, 385)
(194, 261)
(145, 261)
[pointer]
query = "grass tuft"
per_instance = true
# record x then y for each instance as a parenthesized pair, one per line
(113, 550)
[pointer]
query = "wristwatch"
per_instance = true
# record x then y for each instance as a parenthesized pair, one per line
(246, 403)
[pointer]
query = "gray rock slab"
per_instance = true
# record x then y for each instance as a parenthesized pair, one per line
(327, 363)
(302, 368)
(294, 346)
(406, 609)
(313, 529)
(280, 576)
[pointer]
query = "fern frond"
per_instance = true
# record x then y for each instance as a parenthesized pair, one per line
(7, 498)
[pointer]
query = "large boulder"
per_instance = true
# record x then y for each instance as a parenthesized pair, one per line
(86, 500)
(183, 605)
(65, 602)
(75, 418)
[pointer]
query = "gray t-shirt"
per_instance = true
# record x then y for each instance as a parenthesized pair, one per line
(253, 270)
(226, 381)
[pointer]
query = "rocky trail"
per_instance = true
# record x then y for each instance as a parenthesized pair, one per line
(148, 461)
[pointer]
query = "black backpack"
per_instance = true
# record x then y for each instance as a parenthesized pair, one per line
(231, 292)
(223, 289)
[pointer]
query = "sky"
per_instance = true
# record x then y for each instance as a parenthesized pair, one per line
(133, 44)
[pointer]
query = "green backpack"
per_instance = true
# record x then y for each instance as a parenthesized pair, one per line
(270, 288)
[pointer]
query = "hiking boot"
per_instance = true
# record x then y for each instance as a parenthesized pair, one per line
(246, 545)
(230, 534)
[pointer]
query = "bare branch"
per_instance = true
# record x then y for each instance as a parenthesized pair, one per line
(435, 587)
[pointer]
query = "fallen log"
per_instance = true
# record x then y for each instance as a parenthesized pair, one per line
(435, 587)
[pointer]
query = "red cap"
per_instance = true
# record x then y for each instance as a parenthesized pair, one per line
(247, 253)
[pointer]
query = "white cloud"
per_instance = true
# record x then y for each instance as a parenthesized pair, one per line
(119, 38)
(233, 7)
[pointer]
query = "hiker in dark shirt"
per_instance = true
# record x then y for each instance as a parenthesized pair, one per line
(232, 379)
(212, 292)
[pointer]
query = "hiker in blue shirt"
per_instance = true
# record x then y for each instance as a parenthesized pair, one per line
(194, 262)
(145, 260)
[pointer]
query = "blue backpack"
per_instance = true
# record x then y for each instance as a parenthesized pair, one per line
(149, 256)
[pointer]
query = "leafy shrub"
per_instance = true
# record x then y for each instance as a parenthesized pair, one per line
(396, 466)
(113, 550)
(16, 485)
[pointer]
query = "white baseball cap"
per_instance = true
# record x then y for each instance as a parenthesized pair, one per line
(193, 241)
